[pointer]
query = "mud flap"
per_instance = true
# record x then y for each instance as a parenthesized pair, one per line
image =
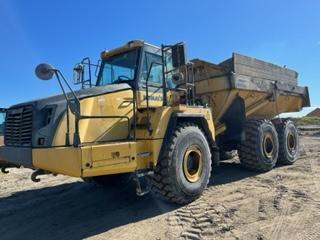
(234, 119)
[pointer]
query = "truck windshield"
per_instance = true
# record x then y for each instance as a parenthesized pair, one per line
(118, 68)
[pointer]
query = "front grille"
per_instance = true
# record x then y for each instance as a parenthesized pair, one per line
(18, 127)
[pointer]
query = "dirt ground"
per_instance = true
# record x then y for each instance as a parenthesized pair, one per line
(238, 204)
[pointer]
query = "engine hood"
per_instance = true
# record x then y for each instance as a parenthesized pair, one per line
(81, 94)
(47, 113)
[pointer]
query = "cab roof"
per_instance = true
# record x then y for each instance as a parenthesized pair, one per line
(125, 48)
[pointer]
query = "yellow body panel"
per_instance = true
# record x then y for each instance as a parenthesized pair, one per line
(88, 160)
(100, 129)
(110, 158)
(101, 159)
(100, 156)
(64, 160)
(156, 98)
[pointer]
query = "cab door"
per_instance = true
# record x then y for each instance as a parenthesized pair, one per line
(150, 85)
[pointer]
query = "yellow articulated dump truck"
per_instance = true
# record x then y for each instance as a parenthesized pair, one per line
(155, 114)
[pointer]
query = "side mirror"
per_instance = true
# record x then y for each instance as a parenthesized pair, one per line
(78, 74)
(44, 71)
(178, 79)
(178, 55)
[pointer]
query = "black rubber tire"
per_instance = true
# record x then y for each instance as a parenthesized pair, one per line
(251, 151)
(169, 180)
(287, 155)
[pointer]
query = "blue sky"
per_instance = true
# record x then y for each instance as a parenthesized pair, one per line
(62, 32)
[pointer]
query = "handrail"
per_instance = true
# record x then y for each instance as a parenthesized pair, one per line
(82, 117)
(75, 109)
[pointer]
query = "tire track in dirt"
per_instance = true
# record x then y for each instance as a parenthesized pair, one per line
(303, 216)
(200, 220)
(215, 213)
(313, 234)
(283, 207)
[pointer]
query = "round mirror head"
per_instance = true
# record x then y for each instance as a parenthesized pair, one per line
(44, 71)
(178, 78)
(78, 67)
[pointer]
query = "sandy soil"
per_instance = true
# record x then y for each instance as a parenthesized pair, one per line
(238, 204)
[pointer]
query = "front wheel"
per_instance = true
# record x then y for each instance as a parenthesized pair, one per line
(184, 168)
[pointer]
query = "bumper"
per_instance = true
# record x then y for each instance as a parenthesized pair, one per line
(3, 163)
(76, 162)
(16, 156)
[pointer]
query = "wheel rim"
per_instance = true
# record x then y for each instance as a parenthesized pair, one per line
(268, 145)
(291, 142)
(192, 164)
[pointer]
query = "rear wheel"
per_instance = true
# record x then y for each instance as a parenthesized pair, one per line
(288, 141)
(183, 170)
(259, 151)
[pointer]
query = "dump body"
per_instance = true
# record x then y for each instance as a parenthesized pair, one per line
(265, 89)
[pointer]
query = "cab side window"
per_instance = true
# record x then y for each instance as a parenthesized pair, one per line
(155, 76)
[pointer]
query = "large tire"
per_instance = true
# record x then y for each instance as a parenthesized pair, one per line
(183, 170)
(259, 152)
(288, 142)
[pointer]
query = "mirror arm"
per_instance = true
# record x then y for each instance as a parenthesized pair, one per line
(74, 105)
(97, 68)
(67, 109)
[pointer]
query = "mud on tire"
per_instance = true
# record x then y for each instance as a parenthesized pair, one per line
(288, 141)
(183, 170)
(259, 152)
